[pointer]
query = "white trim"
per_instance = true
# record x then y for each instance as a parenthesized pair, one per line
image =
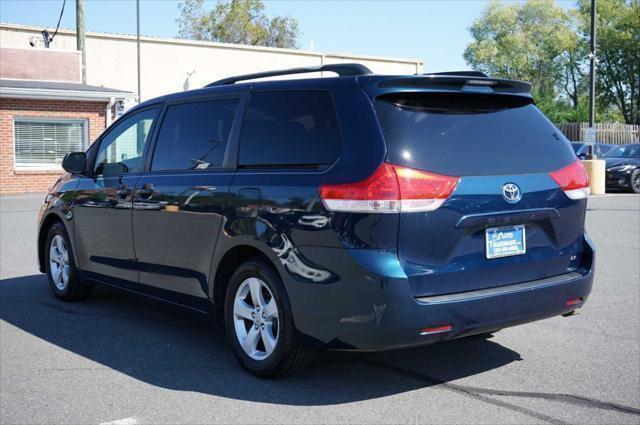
(45, 119)
(37, 166)
(61, 94)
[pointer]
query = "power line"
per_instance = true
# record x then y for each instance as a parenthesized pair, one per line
(59, 19)
(46, 38)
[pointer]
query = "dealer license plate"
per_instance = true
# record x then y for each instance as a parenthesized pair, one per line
(505, 241)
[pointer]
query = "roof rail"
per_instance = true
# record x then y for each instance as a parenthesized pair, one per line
(460, 73)
(342, 69)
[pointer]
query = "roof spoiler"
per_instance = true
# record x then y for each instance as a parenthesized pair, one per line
(460, 73)
(463, 83)
(342, 69)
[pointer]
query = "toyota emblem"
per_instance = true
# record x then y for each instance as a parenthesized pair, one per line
(511, 193)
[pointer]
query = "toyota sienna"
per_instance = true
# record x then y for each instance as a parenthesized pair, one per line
(361, 212)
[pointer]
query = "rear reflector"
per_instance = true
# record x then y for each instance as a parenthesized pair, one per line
(436, 330)
(574, 301)
(573, 180)
(390, 189)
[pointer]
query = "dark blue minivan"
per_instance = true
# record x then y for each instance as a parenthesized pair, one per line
(360, 212)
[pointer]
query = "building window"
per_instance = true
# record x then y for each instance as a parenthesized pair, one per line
(43, 143)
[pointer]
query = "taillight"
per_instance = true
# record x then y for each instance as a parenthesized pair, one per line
(573, 179)
(423, 191)
(390, 189)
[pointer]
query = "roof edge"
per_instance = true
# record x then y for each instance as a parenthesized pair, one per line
(54, 94)
(153, 39)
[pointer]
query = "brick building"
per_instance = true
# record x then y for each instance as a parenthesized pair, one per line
(45, 112)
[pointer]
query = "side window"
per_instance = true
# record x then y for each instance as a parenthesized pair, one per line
(121, 149)
(193, 136)
(289, 128)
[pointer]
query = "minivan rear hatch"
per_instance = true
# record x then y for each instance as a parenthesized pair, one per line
(511, 163)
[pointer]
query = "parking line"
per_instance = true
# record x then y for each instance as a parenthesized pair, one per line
(125, 421)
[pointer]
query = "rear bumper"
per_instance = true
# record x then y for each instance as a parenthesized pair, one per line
(375, 311)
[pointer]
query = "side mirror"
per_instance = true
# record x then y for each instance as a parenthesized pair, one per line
(75, 162)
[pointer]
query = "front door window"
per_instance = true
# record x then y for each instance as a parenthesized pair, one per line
(121, 149)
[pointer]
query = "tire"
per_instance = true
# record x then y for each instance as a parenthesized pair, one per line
(272, 348)
(64, 278)
(635, 181)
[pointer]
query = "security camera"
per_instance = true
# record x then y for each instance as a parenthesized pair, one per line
(46, 38)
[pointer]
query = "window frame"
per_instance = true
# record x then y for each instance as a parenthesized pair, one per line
(46, 120)
(91, 159)
(228, 160)
(306, 168)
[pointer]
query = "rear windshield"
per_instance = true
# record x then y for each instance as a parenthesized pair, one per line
(470, 134)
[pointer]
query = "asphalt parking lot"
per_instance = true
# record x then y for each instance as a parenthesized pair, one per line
(117, 358)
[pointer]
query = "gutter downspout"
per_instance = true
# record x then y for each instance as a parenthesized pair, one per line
(107, 114)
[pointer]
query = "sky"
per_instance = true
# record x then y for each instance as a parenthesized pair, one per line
(434, 31)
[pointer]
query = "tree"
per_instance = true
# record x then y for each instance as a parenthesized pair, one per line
(525, 41)
(573, 81)
(238, 22)
(541, 42)
(617, 52)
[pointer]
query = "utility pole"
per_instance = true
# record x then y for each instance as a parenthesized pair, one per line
(80, 38)
(595, 168)
(592, 78)
(138, 46)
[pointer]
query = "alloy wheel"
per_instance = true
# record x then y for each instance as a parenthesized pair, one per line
(59, 262)
(255, 317)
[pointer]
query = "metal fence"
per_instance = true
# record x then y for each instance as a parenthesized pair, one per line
(612, 133)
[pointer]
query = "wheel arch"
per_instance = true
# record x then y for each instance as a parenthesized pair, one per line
(47, 222)
(226, 262)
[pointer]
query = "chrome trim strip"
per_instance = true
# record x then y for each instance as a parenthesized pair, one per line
(500, 290)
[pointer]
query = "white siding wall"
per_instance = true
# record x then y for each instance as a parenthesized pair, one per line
(166, 63)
